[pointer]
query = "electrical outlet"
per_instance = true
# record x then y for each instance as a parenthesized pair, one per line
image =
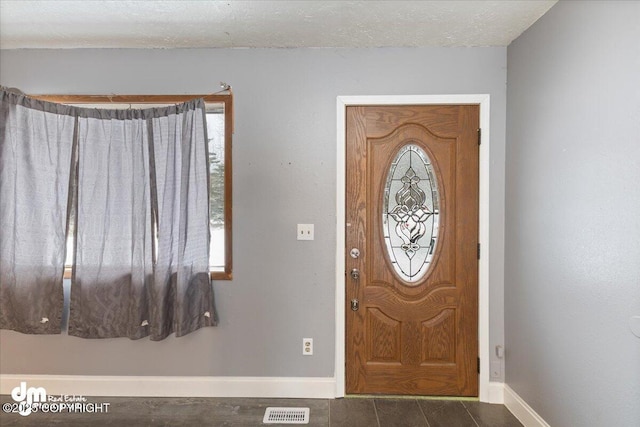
(305, 232)
(307, 346)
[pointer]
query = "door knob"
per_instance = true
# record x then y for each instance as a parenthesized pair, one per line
(355, 274)
(355, 304)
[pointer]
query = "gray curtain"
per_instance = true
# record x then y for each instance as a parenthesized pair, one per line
(35, 162)
(139, 181)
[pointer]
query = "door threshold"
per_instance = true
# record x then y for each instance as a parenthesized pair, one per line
(403, 396)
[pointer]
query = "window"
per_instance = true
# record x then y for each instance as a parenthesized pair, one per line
(219, 110)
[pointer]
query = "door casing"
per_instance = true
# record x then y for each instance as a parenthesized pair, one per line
(483, 100)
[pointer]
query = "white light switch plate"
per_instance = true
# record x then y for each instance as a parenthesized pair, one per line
(305, 231)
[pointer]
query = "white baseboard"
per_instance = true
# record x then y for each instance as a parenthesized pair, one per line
(79, 385)
(496, 393)
(523, 412)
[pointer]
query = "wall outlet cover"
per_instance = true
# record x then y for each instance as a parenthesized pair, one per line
(307, 346)
(305, 232)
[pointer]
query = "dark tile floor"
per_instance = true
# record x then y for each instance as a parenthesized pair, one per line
(348, 412)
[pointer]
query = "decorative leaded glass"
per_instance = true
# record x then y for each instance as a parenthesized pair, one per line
(410, 213)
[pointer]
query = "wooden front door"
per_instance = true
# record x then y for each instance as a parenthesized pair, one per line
(412, 250)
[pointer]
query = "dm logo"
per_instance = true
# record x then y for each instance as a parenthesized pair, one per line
(27, 397)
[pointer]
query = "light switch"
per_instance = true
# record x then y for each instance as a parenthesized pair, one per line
(305, 231)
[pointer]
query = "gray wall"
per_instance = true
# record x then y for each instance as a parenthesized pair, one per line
(284, 173)
(572, 268)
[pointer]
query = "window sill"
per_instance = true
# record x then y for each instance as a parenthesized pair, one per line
(215, 275)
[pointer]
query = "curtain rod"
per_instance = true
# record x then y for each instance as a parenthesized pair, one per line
(131, 99)
(223, 96)
(226, 91)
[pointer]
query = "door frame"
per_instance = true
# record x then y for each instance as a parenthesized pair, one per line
(483, 100)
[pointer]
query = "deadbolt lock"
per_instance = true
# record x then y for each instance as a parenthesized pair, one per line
(355, 304)
(355, 273)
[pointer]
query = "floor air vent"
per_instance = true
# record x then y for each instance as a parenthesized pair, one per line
(286, 416)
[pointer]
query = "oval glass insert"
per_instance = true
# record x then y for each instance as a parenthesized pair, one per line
(410, 213)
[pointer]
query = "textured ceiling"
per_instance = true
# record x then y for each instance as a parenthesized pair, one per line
(239, 24)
